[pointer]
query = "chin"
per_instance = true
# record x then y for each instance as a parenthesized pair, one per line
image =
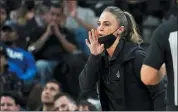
(47, 102)
(100, 36)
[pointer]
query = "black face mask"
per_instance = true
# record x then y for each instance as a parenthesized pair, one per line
(107, 40)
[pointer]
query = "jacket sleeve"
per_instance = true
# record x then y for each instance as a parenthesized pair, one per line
(157, 91)
(88, 76)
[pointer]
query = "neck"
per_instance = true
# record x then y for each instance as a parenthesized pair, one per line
(112, 48)
(48, 107)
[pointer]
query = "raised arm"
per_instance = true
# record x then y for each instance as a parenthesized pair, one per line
(89, 76)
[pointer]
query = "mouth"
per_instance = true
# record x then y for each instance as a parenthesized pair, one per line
(46, 97)
(100, 35)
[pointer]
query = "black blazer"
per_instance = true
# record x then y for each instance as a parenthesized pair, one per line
(120, 87)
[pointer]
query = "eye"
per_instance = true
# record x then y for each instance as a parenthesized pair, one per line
(53, 89)
(56, 109)
(2, 104)
(99, 23)
(106, 24)
(9, 104)
(63, 105)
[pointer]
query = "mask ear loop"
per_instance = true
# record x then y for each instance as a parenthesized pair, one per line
(115, 31)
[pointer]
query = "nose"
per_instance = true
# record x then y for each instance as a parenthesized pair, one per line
(54, 18)
(5, 108)
(47, 91)
(100, 28)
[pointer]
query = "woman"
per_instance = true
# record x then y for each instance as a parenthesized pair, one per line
(115, 63)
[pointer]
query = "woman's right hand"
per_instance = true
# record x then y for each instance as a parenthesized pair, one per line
(95, 47)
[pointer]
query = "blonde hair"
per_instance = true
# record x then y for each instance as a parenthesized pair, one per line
(126, 19)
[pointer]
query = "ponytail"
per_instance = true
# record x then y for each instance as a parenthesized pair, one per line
(132, 31)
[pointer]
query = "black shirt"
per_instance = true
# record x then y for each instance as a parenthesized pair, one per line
(164, 49)
(52, 49)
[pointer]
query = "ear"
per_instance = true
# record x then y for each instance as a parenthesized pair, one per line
(120, 30)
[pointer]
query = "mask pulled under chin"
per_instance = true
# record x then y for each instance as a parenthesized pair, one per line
(107, 40)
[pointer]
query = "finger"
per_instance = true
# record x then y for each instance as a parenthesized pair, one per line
(87, 43)
(49, 27)
(90, 37)
(51, 24)
(93, 34)
(96, 34)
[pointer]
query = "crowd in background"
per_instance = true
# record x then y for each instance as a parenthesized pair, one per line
(50, 50)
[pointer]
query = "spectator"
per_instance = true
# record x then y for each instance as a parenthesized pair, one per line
(9, 101)
(47, 97)
(63, 102)
(48, 46)
(55, 45)
(86, 106)
(20, 61)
